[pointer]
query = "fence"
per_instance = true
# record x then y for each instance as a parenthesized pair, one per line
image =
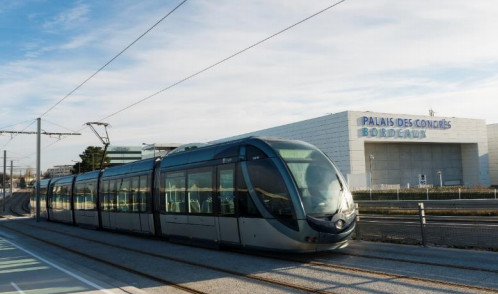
(429, 224)
(425, 194)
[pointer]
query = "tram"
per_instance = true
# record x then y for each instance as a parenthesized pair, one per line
(255, 193)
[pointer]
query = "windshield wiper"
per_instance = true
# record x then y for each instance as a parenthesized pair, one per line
(340, 183)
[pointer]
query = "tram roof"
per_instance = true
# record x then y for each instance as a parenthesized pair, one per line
(88, 175)
(221, 150)
(62, 180)
(145, 165)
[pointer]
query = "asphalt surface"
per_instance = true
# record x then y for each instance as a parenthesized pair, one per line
(31, 266)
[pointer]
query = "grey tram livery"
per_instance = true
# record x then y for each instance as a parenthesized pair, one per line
(257, 193)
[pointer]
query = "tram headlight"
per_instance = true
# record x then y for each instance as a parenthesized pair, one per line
(339, 224)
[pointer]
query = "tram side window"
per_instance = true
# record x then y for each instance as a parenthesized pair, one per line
(50, 198)
(105, 196)
(246, 205)
(134, 193)
(123, 203)
(63, 197)
(144, 192)
(59, 198)
(112, 195)
(79, 200)
(90, 197)
(67, 198)
(43, 193)
(200, 190)
(226, 189)
(85, 196)
(270, 188)
(174, 192)
(53, 199)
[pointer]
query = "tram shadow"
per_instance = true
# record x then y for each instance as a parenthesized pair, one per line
(113, 261)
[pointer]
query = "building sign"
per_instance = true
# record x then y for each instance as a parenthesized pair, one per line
(407, 128)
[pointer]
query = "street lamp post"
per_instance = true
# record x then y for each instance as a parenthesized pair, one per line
(153, 146)
(440, 173)
(371, 158)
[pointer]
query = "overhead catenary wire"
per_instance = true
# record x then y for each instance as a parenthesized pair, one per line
(112, 59)
(15, 135)
(99, 70)
(223, 60)
(211, 66)
(60, 126)
(15, 124)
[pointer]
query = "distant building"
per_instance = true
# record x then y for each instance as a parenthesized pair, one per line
(124, 154)
(155, 149)
(385, 149)
(60, 171)
(493, 153)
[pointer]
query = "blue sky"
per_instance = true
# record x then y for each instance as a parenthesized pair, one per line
(388, 56)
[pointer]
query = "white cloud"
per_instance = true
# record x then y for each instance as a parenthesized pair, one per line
(400, 57)
(68, 18)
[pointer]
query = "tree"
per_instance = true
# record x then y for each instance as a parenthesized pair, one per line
(22, 183)
(46, 175)
(90, 160)
(7, 178)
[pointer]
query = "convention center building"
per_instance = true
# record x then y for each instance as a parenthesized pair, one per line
(382, 150)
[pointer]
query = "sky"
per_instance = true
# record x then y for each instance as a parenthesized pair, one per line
(390, 56)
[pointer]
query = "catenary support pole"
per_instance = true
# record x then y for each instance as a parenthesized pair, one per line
(38, 169)
(11, 179)
(4, 175)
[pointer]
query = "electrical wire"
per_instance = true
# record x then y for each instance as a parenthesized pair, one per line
(11, 125)
(207, 68)
(15, 135)
(99, 70)
(112, 59)
(222, 61)
(52, 123)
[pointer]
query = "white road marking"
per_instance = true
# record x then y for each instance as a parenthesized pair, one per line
(17, 288)
(89, 283)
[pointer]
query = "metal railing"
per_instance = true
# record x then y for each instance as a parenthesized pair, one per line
(461, 224)
(425, 194)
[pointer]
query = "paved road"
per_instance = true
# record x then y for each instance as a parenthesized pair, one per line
(24, 271)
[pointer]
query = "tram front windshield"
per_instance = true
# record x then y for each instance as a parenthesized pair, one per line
(319, 183)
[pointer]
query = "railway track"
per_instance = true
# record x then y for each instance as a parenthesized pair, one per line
(438, 264)
(305, 261)
(302, 261)
(153, 277)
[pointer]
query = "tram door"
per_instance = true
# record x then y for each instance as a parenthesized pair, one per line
(227, 220)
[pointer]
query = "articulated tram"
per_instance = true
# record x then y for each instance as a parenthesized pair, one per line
(258, 193)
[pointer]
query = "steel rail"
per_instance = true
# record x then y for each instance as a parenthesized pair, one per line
(174, 259)
(301, 261)
(107, 262)
(373, 272)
